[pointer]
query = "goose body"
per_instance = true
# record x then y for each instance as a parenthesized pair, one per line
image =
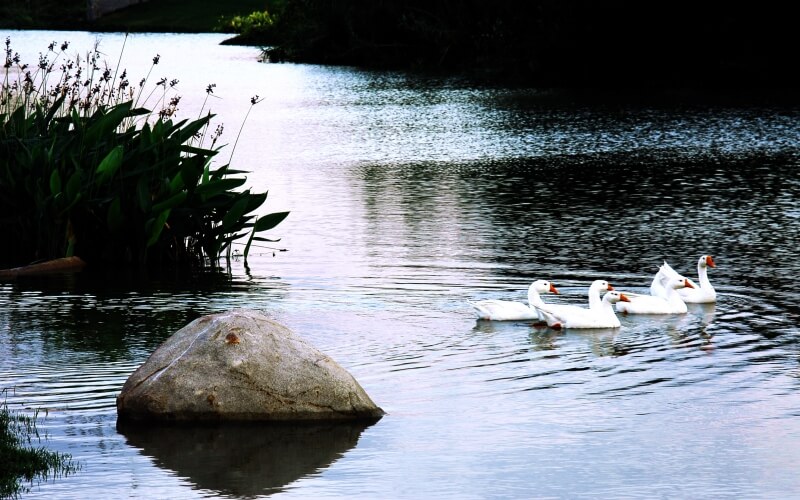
(669, 302)
(594, 298)
(701, 293)
(602, 316)
(509, 310)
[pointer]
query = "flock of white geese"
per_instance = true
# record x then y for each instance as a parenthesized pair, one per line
(669, 293)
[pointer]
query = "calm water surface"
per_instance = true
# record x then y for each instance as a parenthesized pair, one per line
(409, 196)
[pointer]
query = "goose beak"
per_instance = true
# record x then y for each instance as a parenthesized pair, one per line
(687, 284)
(710, 261)
(624, 298)
(610, 288)
(553, 289)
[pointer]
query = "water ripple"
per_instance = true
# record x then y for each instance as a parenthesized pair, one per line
(410, 196)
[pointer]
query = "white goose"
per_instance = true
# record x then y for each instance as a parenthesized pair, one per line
(594, 298)
(507, 310)
(668, 303)
(601, 317)
(698, 294)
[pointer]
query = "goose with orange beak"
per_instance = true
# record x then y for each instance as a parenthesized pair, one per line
(602, 316)
(703, 293)
(509, 310)
(670, 303)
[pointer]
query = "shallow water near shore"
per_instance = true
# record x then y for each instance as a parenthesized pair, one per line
(410, 195)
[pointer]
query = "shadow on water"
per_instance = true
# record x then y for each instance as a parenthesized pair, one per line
(244, 460)
(116, 312)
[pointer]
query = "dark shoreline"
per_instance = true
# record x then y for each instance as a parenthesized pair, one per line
(713, 53)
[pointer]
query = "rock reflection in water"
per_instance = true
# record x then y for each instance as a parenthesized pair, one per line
(244, 459)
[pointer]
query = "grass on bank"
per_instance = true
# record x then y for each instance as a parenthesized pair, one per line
(22, 463)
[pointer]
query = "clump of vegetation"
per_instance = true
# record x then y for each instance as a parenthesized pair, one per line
(94, 165)
(20, 462)
(253, 27)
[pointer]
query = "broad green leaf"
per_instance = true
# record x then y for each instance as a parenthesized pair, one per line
(109, 165)
(145, 140)
(218, 186)
(55, 183)
(170, 202)
(235, 214)
(262, 224)
(177, 184)
(114, 218)
(231, 171)
(192, 170)
(71, 204)
(54, 107)
(139, 112)
(156, 226)
(269, 221)
(186, 133)
(73, 186)
(104, 122)
(197, 151)
(77, 121)
(255, 201)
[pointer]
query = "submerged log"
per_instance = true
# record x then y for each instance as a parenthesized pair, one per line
(66, 264)
(241, 366)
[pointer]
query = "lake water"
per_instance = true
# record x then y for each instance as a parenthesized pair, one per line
(410, 195)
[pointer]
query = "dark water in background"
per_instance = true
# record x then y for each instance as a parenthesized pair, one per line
(408, 197)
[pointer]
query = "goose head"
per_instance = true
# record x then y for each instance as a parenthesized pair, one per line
(601, 285)
(614, 296)
(544, 286)
(681, 282)
(706, 261)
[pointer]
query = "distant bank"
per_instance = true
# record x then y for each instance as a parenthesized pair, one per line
(180, 16)
(713, 46)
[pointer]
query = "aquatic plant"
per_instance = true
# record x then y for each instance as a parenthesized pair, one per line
(20, 463)
(95, 166)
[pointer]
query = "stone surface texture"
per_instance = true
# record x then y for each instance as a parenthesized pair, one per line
(241, 366)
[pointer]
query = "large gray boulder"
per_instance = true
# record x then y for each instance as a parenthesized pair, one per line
(241, 366)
